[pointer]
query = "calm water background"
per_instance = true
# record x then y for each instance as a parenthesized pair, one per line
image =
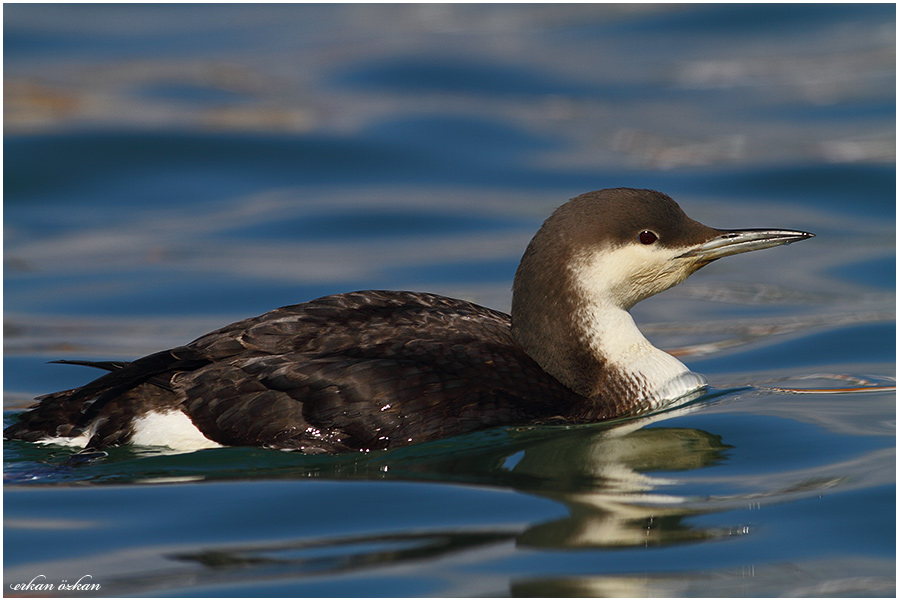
(169, 169)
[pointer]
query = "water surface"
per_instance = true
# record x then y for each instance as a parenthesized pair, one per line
(169, 169)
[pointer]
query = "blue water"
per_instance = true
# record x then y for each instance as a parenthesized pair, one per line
(172, 168)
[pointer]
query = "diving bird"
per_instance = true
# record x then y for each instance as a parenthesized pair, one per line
(379, 369)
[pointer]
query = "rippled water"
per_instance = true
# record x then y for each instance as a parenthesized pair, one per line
(170, 169)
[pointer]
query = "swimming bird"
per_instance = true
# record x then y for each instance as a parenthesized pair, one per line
(379, 369)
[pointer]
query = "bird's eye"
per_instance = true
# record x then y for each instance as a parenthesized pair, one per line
(647, 237)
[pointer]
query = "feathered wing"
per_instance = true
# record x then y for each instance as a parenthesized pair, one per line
(368, 371)
(351, 371)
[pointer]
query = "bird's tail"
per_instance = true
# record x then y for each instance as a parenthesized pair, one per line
(69, 413)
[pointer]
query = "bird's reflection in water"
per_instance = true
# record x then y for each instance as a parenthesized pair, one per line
(614, 499)
(611, 480)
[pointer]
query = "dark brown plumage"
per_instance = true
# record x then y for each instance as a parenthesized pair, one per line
(321, 377)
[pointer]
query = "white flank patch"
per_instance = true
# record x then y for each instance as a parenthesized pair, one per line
(171, 429)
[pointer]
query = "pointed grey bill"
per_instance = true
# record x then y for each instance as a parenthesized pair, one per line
(734, 242)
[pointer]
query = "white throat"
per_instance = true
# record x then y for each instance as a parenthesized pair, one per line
(610, 332)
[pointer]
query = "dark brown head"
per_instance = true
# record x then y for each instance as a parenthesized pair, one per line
(605, 251)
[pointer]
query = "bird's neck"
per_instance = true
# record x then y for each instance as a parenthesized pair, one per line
(653, 377)
(585, 340)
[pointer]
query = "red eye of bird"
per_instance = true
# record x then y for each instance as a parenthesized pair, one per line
(647, 237)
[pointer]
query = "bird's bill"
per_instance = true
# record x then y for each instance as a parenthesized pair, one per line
(734, 242)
